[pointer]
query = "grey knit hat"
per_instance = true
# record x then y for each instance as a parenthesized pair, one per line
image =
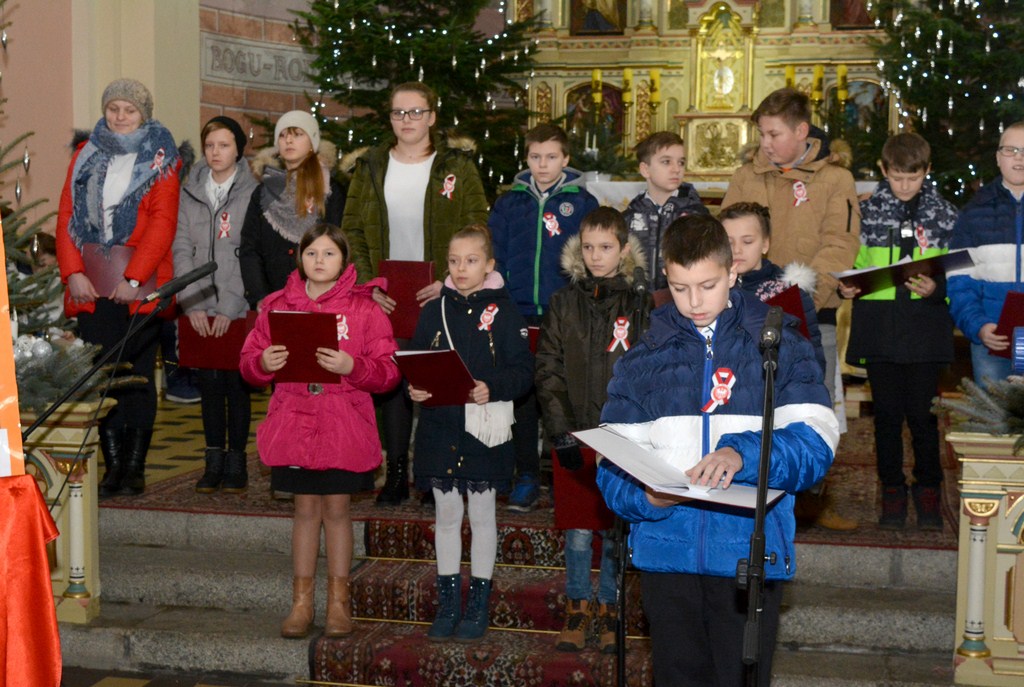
(299, 119)
(134, 92)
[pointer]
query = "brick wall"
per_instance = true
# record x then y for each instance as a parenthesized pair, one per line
(251, 67)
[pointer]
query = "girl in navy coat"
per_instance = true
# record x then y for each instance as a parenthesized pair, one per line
(468, 449)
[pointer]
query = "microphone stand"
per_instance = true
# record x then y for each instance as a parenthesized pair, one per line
(107, 355)
(750, 571)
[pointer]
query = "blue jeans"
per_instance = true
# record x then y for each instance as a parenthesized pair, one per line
(578, 552)
(985, 365)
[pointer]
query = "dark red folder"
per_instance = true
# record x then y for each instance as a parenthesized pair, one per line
(661, 297)
(1011, 316)
(792, 304)
(213, 352)
(578, 502)
(405, 278)
(442, 373)
(302, 333)
(873, 279)
(105, 266)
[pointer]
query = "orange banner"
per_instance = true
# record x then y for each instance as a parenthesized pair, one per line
(12, 458)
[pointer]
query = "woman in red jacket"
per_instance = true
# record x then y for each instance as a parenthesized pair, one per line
(321, 440)
(116, 223)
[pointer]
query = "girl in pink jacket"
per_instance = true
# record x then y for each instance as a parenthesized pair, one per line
(321, 440)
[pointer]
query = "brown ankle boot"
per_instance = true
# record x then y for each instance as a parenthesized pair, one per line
(606, 622)
(573, 636)
(296, 625)
(339, 607)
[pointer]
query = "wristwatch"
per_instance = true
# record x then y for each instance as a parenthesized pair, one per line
(134, 283)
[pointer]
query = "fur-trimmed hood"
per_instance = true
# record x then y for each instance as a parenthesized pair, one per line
(267, 157)
(453, 141)
(573, 265)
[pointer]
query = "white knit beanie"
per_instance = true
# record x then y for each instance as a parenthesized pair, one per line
(299, 119)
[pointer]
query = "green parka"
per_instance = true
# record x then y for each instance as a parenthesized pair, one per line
(454, 198)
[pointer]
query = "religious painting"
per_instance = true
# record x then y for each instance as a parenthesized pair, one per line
(597, 17)
(862, 120)
(579, 110)
(850, 14)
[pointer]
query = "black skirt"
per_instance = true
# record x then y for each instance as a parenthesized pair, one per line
(320, 482)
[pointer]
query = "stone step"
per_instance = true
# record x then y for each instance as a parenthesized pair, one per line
(140, 637)
(854, 566)
(814, 615)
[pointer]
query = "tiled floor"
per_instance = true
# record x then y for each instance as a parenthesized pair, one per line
(85, 677)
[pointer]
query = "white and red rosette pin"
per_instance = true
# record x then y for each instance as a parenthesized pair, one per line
(922, 237)
(551, 224)
(449, 186)
(225, 226)
(487, 317)
(721, 392)
(799, 193)
(620, 334)
(342, 328)
(158, 159)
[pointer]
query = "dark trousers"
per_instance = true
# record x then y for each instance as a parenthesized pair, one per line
(697, 629)
(136, 404)
(396, 416)
(227, 410)
(904, 392)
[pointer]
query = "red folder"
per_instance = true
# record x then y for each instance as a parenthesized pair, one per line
(792, 304)
(442, 373)
(405, 278)
(105, 268)
(872, 279)
(213, 352)
(534, 334)
(302, 333)
(1011, 316)
(578, 502)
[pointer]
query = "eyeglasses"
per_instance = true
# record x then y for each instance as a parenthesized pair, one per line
(415, 115)
(1010, 151)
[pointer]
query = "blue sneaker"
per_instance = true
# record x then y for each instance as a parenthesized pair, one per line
(525, 493)
(182, 387)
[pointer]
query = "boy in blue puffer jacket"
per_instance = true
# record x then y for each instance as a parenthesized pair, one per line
(991, 225)
(693, 385)
(529, 227)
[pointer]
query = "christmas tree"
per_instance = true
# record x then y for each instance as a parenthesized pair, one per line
(362, 48)
(956, 68)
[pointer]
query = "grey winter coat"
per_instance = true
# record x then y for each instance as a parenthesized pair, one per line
(207, 233)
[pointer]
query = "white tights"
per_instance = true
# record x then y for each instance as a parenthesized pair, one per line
(448, 532)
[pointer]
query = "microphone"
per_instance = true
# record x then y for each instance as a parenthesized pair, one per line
(639, 281)
(771, 332)
(178, 283)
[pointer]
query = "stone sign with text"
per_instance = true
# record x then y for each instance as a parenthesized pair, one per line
(256, 64)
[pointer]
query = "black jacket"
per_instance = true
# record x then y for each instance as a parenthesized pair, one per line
(574, 362)
(499, 356)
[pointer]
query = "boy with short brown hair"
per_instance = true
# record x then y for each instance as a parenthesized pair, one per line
(662, 161)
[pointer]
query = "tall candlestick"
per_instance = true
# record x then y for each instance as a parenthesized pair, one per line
(627, 85)
(790, 76)
(819, 82)
(842, 86)
(655, 86)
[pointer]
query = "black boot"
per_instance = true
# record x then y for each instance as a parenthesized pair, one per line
(136, 446)
(236, 473)
(214, 473)
(112, 446)
(396, 486)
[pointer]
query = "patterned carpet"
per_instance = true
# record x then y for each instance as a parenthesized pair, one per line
(175, 464)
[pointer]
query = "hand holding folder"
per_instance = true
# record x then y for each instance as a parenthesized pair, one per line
(443, 374)
(301, 333)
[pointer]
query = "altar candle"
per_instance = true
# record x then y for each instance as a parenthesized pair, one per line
(655, 85)
(790, 76)
(842, 88)
(627, 85)
(595, 80)
(819, 80)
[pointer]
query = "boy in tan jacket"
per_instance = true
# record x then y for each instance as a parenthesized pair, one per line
(814, 209)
